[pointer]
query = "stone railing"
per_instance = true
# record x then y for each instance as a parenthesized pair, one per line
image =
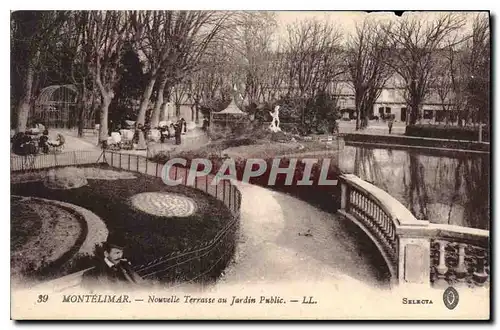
(416, 251)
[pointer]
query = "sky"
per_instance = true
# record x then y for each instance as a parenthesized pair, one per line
(347, 20)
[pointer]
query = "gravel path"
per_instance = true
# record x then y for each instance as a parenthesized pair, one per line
(285, 239)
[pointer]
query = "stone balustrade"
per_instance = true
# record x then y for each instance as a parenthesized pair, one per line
(416, 251)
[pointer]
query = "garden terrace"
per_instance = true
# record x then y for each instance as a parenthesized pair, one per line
(159, 244)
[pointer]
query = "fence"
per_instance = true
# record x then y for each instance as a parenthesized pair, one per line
(194, 263)
(415, 251)
(40, 161)
(202, 262)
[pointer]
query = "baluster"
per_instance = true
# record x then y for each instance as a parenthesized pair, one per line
(461, 270)
(441, 268)
(480, 276)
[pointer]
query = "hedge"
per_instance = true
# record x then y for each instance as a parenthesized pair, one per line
(400, 140)
(447, 132)
(326, 197)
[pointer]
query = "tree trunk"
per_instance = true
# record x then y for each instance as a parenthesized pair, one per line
(357, 117)
(24, 106)
(414, 112)
(103, 129)
(145, 100)
(197, 116)
(178, 110)
(193, 111)
(155, 118)
(81, 110)
(163, 112)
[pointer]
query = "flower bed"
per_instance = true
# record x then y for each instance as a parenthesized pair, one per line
(147, 236)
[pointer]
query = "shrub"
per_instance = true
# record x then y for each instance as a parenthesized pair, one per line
(447, 132)
(326, 197)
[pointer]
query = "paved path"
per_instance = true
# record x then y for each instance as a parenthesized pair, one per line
(285, 239)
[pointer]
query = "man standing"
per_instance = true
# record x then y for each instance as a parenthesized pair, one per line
(390, 122)
(111, 268)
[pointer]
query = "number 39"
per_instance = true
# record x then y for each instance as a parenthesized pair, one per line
(42, 298)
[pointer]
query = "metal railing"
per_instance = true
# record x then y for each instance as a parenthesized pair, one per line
(415, 251)
(41, 161)
(190, 264)
(178, 266)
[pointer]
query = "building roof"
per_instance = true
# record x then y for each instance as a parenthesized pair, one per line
(232, 108)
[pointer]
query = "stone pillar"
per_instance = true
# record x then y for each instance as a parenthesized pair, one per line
(343, 196)
(461, 270)
(441, 268)
(414, 260)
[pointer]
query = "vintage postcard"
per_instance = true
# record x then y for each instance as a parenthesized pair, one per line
(250, 165)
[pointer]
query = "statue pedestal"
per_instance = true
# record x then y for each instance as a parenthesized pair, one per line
(274, 128)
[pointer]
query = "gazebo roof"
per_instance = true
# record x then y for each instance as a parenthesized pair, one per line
(232, 109)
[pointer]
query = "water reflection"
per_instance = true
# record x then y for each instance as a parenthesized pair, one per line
(442, 187)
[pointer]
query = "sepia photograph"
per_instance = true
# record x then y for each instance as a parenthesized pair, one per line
(250, 165)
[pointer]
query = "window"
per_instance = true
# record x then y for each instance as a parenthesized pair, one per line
(387, 110)
(342, 103)
(403, 114)
(428, 114)
(381, 110)
(440, 116)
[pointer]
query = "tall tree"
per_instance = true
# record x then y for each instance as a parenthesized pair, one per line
(367, 68)
(32, 34)
(414, 43)
(313, 56)
(477, 61)
(174, 42)
(108, 32)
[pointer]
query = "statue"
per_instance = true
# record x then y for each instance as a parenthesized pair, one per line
(275, 123)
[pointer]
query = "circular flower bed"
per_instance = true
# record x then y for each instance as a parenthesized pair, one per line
(164, 204)
(42, 235)
(66, 178)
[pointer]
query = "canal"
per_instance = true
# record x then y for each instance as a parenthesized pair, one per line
(445, 187)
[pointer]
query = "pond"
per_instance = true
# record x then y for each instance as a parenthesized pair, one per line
(445, 187)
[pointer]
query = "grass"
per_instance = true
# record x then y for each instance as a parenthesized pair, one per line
(43, 237)
(147, 237)
(24, 222)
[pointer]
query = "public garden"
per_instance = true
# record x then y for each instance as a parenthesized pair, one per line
(88, 152)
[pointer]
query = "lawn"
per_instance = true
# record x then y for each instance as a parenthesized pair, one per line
(43, 237)
(147, 236)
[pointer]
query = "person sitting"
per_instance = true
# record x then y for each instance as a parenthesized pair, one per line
(43, 142)
(22, 144)
(111, 268)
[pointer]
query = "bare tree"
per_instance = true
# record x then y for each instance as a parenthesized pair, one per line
(174, 41)
(477, 62)
(313, 53)
(107, 34)
(367, 68)
(212, 78)
(178, 94)
(274, 80)
(32, 34)
(462, 74)
(252, 42)
(414, 43)
(75, 45)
